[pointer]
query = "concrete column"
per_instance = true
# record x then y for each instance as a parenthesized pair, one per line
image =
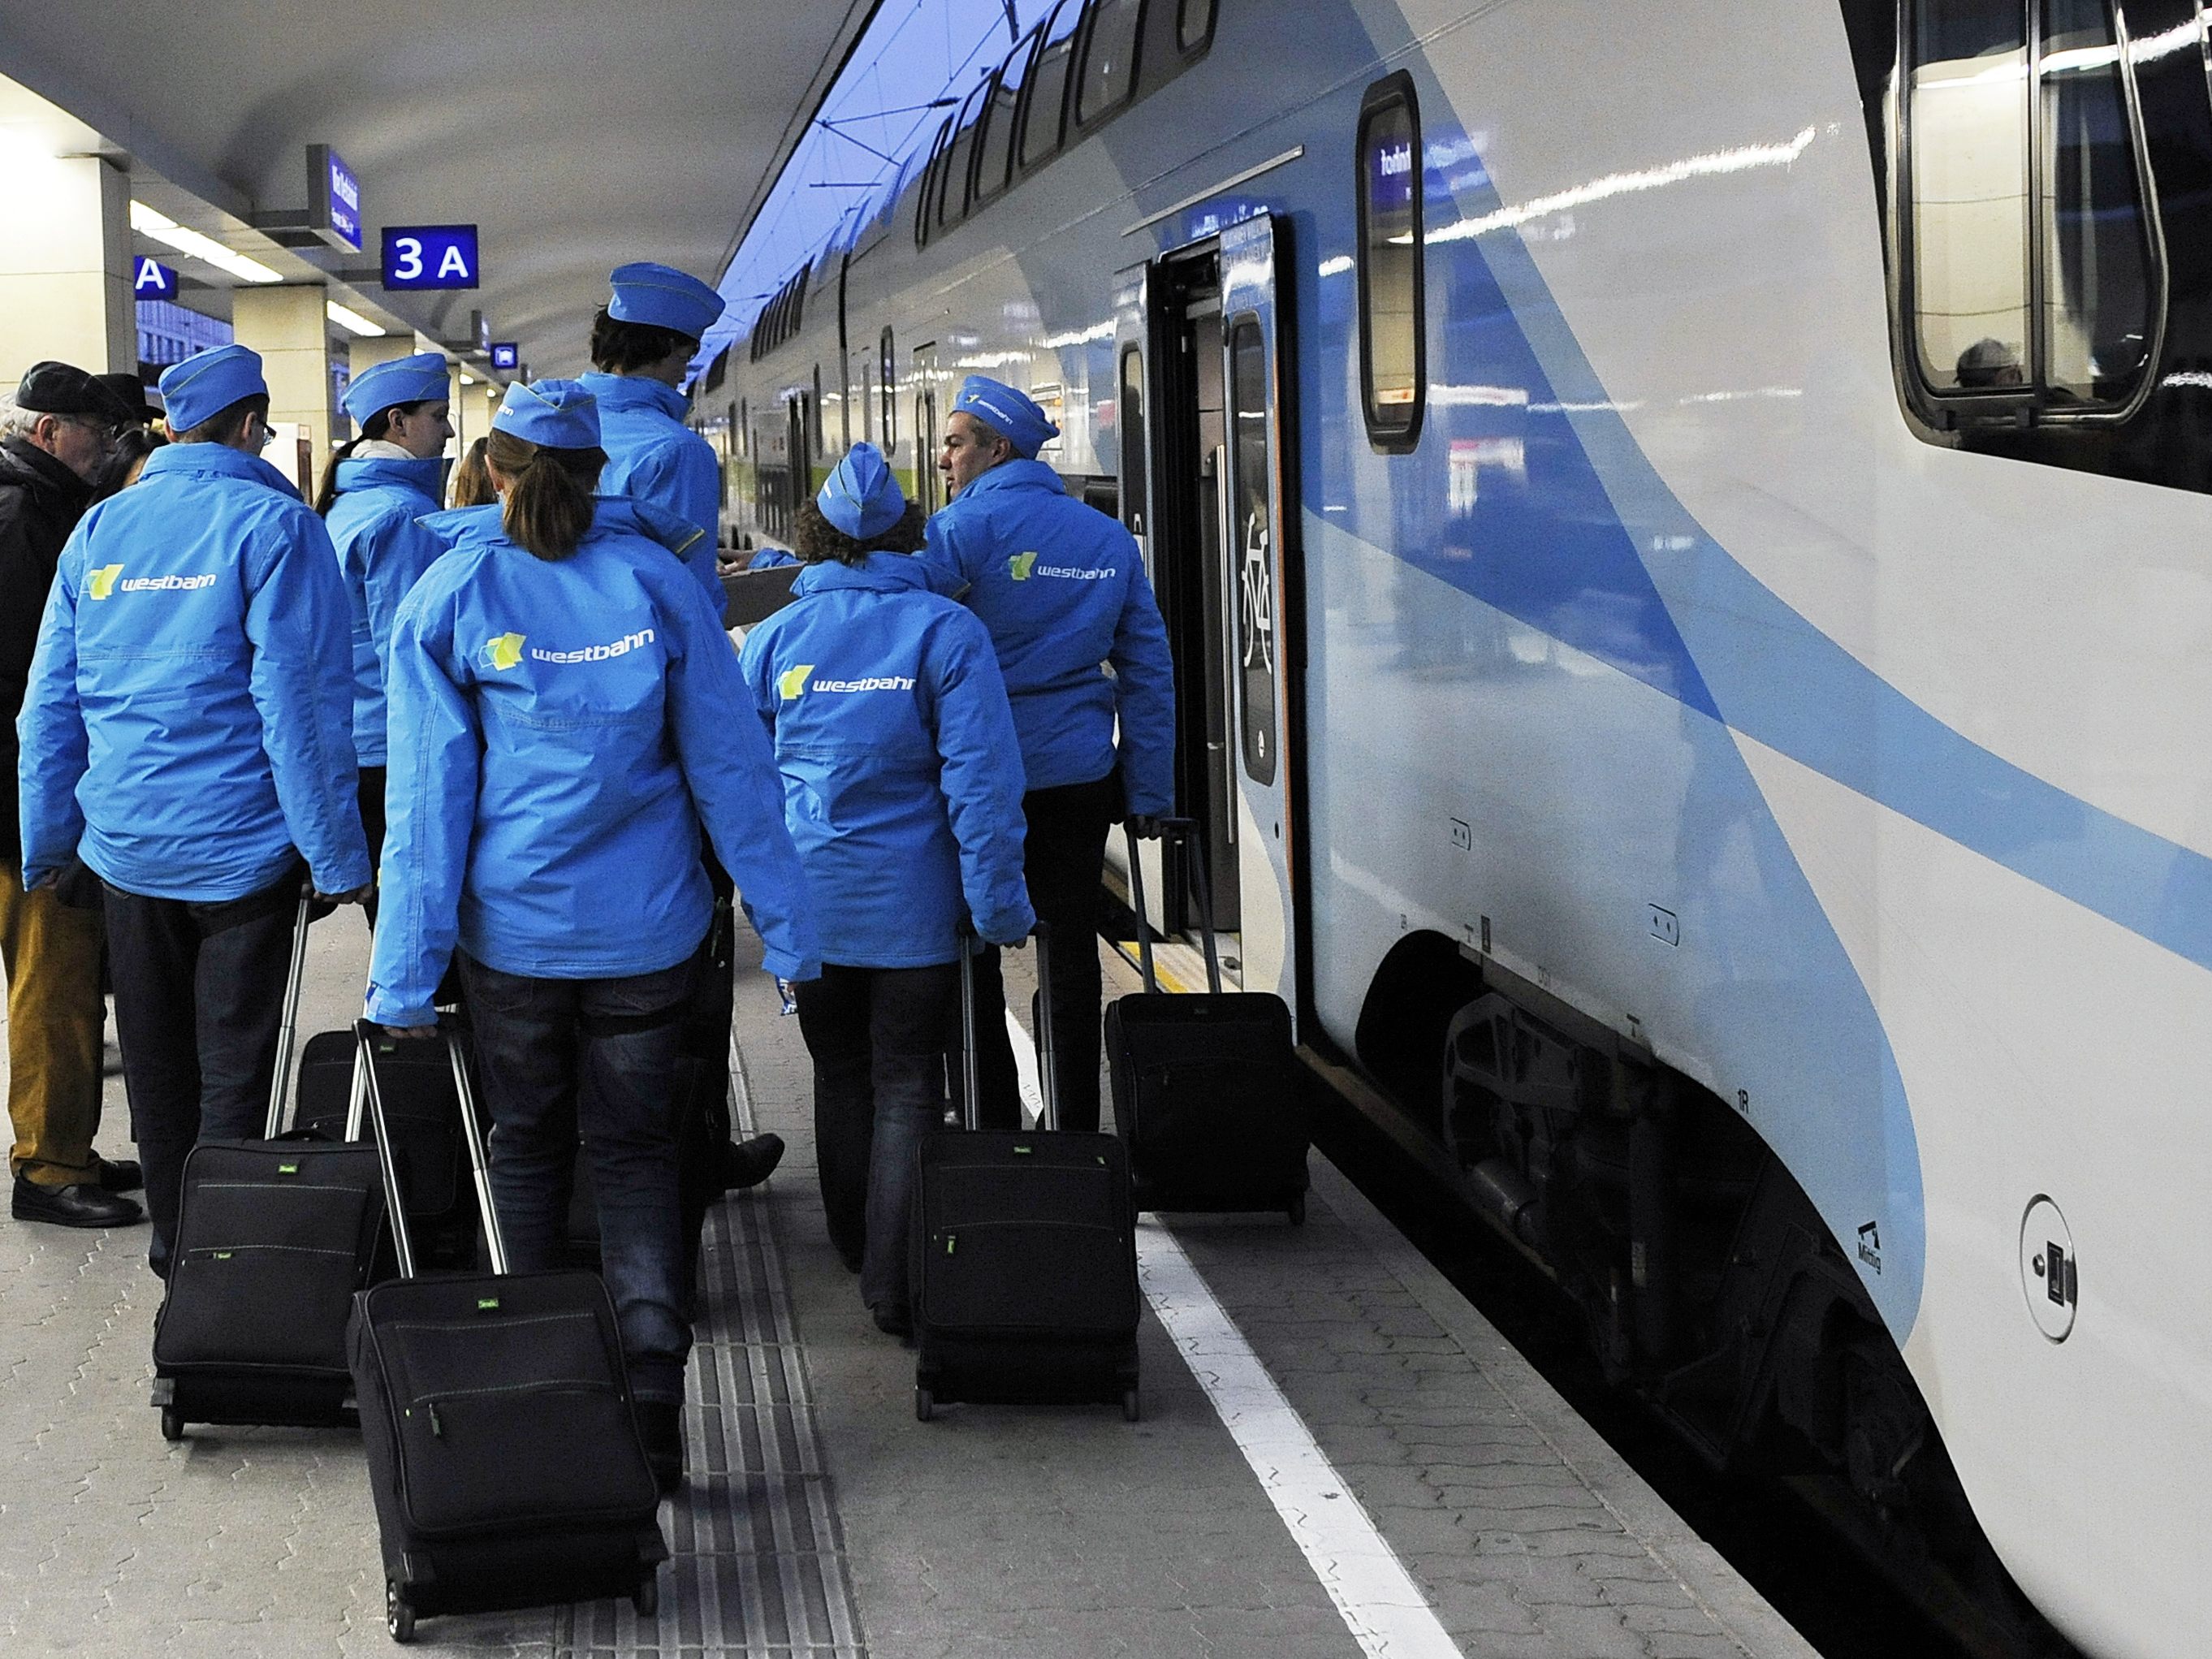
(65, 266)
(290, 328)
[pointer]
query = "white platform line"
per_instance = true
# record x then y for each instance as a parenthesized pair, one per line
(1377, 1599)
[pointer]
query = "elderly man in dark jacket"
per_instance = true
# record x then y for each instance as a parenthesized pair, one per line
(55, 433)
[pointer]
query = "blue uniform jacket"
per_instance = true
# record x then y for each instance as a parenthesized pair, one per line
(561, 730)
(381, 553)
(1062, 589)
(652, 457)
(900, 779)
(187, 722)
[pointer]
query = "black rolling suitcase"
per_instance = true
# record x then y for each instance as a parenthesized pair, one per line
(495, 1412)
(1208, 1094)
(1023, 1253)
(420, 1104)
(274, 1236)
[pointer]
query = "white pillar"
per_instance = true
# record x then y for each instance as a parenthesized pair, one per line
(65, 266)
(288, 326)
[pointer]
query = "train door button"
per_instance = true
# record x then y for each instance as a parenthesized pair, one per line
(2049, 1273)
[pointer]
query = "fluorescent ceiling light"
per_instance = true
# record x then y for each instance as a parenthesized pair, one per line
(353, 320)
(162, 228)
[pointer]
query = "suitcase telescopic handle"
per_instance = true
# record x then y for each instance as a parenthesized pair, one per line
(1185, 832)
(971, 1088)
(288, 1028)
(367, 1034)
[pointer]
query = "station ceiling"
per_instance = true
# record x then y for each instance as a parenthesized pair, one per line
(575, 133)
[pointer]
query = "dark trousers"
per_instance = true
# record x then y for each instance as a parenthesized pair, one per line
(199, 993)
(369, 792)
(878, 1036)
(1063, 858)
(548, 1050)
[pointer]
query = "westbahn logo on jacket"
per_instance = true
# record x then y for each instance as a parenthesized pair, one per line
(1022, 566)
(792, 682)
(502, 651)
(103, 581)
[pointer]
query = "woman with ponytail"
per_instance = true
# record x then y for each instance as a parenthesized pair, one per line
(373, 491)
(565, 715)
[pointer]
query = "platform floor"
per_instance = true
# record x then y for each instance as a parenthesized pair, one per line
(1339, 1457)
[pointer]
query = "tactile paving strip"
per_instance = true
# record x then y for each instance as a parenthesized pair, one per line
(759, 1565)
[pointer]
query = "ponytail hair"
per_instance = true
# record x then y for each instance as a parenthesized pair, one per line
(549, 502)
(377, 426)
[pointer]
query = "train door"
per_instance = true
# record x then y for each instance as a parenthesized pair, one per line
(927, 488)
(1202, 485)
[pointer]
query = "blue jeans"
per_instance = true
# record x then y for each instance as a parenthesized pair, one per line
(878, 1037)
(537, 1040)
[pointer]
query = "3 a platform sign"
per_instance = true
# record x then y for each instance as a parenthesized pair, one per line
(430, 256)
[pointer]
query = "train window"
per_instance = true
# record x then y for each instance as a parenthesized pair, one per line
(925, 442)
(1193, 23)
(814, 410)
(994, 164)
(1110, 59)
(954, 203)
(868, 401)
(2035, 289)
(890, 390)
(1253, 552)
(745, 426)
(933, 175)
(1393, 363)
(1129, 419)
(1047, 90)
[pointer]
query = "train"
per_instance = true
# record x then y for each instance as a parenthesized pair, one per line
(1685, 535)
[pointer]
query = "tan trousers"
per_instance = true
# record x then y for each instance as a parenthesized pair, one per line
(51, 953)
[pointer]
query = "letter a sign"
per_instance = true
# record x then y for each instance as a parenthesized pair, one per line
(429, 255)
(152, 280)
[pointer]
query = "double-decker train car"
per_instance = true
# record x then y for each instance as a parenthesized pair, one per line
(1685, 534)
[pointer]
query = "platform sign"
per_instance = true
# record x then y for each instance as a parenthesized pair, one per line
(430, 256)
(152, 280)
(333, 198)
(506, 354)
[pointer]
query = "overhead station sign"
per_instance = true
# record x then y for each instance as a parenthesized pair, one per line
(152, 280)
(430, 256)
(333, 198)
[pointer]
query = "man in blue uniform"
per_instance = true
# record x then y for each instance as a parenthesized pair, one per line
(187, 735)
(1061, 588)
(642, 340)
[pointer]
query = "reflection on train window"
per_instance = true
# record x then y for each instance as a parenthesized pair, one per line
(1193, 22)
(1129, 418)
(1049, 87)
(1109, 58)
(2033, 260)
(954, 201)
(1253, 556)
(890, 390)
(996, 160)
(1392, 364)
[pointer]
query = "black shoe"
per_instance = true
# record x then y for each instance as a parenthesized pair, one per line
(81, 1203)
(749, 1162)
(119, 1174)
(661, 1425)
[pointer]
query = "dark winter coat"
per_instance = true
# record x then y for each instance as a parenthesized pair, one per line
(40, 501)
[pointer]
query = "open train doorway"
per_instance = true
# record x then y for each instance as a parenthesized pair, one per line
(1203, 488)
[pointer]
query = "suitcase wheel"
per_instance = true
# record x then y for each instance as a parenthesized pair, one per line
(646, 1598)
(173, 1423)
(398, 1612)
(1131, 1411)
(1295, 1210)
(924, 1407)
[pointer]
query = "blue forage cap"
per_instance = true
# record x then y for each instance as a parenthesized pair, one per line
(201, 388)
(419, 379)
(558, 414)
(647, 293)
(1014, 415)
(862, 498)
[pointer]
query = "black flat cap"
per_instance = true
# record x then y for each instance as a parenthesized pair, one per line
(51, 388)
